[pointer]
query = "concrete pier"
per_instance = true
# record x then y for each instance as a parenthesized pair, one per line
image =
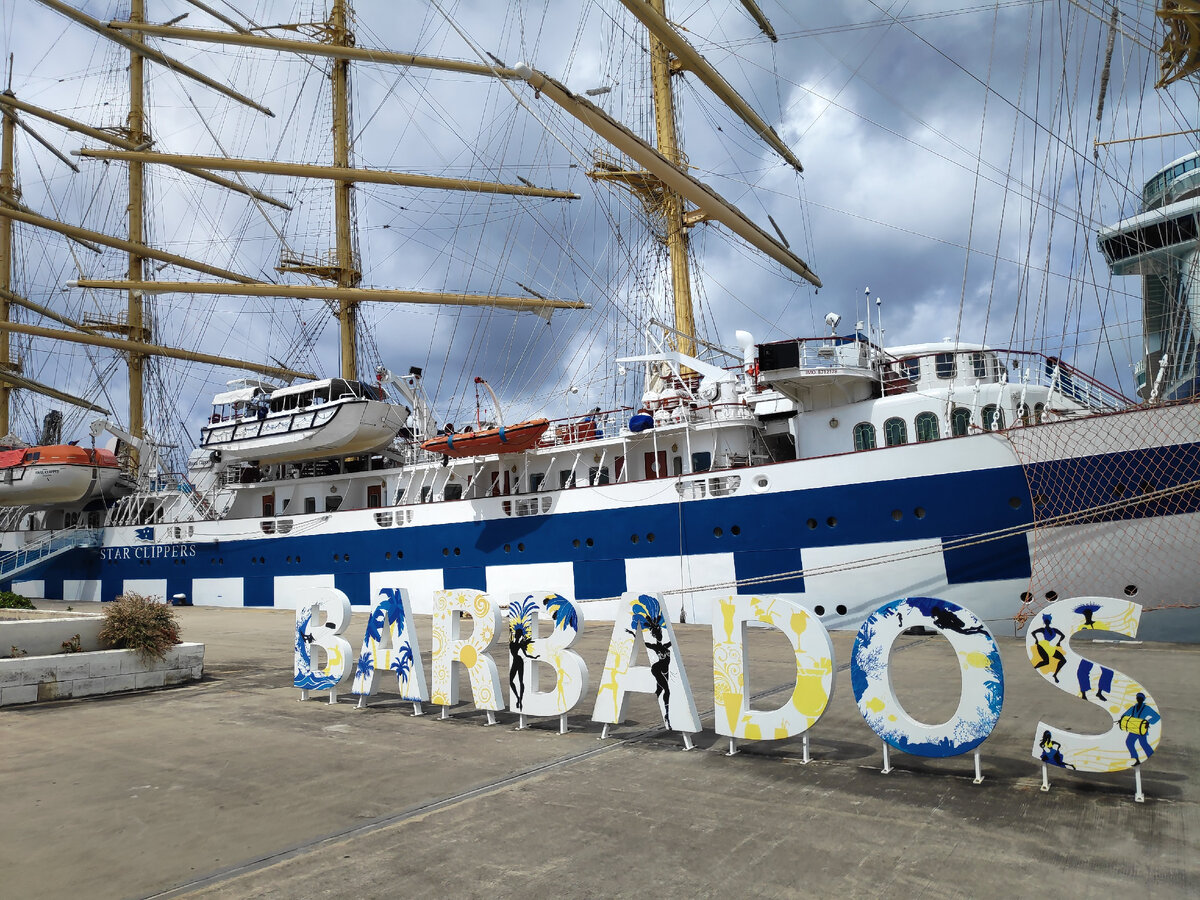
(231, 788)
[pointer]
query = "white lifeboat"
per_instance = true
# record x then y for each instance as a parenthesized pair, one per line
(330, 417)
(59, 475)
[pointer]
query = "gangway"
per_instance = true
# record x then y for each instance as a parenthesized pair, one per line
(54, 544)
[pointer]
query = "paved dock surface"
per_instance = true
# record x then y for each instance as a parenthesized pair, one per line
(231, 788)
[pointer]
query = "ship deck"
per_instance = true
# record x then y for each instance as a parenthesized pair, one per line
(229, 787)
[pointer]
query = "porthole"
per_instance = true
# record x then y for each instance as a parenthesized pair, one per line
(919, 512)
(590, 542)
(1026, 597)
(1014, 502)
(650, 536)
(761, 482)
(812, 524)
(221, 561)
(575, 543)
(1039, 499)
(841, 610)
(445, 551)
(262, 560)
(1131, 590)
(297, 557)
(508, 548)
(633, 539)
(336, 557)
(399, 554)
(718, 531)
(897, 515)
(831, 521)
(388, 555)
(457, 552)
(736, 529)
(819, 610)
(289, 559)
(1051, 596)
(345, 557)
(520, 548)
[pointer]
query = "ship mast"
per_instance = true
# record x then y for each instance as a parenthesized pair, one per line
(344, 273)
(672, 204)
(348, 274)
(7, 193)
(136, 133)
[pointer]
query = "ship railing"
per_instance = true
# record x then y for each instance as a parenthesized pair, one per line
(55, 542)
(1064, 379)
(852, 352)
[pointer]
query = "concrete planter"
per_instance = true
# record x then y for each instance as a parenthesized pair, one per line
(40, 633)
(29, 679)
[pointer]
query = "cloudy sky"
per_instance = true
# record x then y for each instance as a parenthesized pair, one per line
(949, 166)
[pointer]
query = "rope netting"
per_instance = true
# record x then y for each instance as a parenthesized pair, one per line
(1116, 501)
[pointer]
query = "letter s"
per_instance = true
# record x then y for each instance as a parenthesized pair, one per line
(1136, 720)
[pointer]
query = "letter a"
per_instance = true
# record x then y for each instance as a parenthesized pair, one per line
(642, 615)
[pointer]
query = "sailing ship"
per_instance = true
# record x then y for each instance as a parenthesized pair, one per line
(833, 469)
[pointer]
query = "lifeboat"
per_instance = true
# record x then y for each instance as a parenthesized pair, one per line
(502, 439)
(58, 475)
(269, 424)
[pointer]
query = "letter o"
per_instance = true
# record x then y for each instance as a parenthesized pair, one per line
(982, 693)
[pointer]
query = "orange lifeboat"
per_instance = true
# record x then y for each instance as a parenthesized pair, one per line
(511, 439)
(55, 474)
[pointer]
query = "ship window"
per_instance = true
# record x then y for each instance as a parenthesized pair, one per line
(426, 493)
(310, 504)
(864, 436)
(452, 492)
(927, 427)
(979, 365)
(1023, 414)
(332, 503)
(945, 366)
(911, 368)
(960, 421)
(566, 478)
(677, 466)
(895, 432)
(535, 480)
(1038, 410)
(993, 417)
(702, 461)
(598, 475)
(374, 496)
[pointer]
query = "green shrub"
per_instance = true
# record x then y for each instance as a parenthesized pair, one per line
(9, 600)
(144, 624)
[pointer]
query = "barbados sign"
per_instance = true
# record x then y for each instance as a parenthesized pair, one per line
(390, 646)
